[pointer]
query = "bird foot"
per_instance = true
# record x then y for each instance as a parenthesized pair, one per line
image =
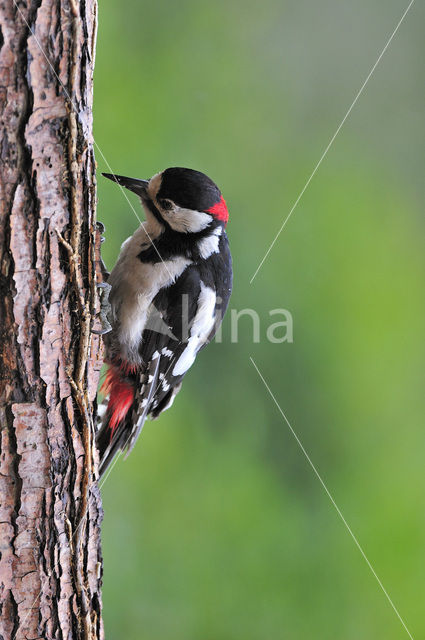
(105, 308)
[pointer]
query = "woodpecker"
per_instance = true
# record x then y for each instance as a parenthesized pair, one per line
(168, 293)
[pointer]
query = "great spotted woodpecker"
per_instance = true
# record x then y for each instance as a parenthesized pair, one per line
(169, 290)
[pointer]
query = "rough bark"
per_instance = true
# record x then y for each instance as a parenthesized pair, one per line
(50, 510)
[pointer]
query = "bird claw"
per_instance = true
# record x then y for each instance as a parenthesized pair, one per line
(101, 230)
(105, 309)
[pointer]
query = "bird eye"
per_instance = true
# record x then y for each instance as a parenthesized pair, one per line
(166, 204)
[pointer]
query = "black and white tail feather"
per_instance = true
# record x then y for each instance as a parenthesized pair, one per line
(124, 439)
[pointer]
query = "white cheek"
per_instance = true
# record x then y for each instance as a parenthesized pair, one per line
(186, 220)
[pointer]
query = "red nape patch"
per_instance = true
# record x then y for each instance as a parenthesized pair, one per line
(219, 210)
(121, 396)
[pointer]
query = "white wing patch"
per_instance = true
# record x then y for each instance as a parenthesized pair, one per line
(164, 384)
(200, 330)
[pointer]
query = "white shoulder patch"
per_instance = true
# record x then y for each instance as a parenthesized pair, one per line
(200, 330)
(209, 245)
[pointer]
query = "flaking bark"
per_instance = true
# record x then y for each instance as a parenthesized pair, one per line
(50, 509)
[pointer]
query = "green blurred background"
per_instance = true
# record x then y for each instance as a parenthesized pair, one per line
(216, 527)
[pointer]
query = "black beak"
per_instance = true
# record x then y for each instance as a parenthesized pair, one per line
(133, 184)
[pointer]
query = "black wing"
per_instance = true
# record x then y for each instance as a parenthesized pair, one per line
(177, 307)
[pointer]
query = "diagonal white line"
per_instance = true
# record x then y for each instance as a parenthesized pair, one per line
(332, 140)
(94, 141)
(319, 477)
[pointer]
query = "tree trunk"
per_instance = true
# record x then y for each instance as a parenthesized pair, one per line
(50, 509)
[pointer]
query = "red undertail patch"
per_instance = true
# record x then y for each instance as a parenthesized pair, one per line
(121, 396)
(219, 210)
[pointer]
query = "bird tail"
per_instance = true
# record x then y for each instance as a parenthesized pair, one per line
(130, 393)
(119, 391)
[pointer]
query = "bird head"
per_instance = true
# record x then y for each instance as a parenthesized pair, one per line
(185, 200)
